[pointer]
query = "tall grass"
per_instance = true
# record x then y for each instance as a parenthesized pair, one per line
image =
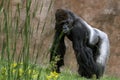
(16, 36)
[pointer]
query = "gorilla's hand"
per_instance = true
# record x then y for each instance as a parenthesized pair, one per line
(66, 29)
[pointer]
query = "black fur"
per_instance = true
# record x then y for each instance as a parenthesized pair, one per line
(78, 33)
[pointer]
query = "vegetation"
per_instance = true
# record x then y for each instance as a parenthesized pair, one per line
(16, 60)
(16, 71)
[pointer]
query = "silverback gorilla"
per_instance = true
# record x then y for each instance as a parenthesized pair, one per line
(91, 45)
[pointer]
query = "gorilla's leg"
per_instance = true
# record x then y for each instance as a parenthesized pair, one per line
(87, 66)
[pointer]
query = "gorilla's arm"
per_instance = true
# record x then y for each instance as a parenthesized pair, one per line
(58, 50)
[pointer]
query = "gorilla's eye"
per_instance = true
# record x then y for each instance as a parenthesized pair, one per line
(64, 22)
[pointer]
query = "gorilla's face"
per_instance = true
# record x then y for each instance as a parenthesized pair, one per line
(63, 20)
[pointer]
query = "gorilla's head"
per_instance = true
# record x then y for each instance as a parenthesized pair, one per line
(64, 20)
(61, 15)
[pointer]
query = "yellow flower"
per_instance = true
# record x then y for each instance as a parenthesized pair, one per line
(21, 72)
(33, 73)
(49, 77)
(21, 63)
(14, 71)
(34, 76)
(56, 76)
(14, 65)
(53, 75)
(29, 71)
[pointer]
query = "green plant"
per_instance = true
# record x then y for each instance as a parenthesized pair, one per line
(16, 35)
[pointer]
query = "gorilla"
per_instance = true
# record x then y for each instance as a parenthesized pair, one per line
(91, 45)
